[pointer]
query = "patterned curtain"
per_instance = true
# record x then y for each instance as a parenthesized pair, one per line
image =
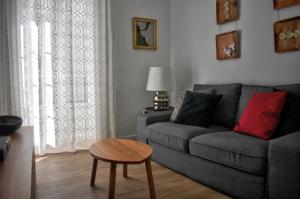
(63, 72)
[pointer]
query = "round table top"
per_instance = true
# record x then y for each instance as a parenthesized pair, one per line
(121, 151)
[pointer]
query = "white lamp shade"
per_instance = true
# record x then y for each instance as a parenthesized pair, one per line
(161, 79)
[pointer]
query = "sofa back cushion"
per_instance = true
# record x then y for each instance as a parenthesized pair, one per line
(246, 93)
(293, 88)
(225, 111)
(290, 116)
(289, 119)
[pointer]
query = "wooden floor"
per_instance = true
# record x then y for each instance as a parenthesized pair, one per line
(67, 176)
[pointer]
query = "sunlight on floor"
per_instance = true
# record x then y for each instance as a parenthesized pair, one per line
(39, 159)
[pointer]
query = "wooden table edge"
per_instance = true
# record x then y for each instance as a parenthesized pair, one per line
(120, 162)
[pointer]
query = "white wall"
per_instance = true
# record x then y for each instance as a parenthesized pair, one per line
(132, 65)
(193, 51)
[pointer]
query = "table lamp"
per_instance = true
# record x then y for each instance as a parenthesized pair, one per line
(161, 80)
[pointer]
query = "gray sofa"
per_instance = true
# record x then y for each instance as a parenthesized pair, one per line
(236, 164)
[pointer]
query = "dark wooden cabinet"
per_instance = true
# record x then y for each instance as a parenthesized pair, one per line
(17, 172)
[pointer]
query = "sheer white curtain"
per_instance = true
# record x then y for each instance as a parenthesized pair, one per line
(61, 71)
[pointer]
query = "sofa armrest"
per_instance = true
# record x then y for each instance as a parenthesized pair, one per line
(284, 167)
(143, 120)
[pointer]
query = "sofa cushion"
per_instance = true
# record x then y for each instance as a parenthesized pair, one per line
(175, 136)
(246, 94)
(290, 116)
(293, 88)
(225, 111)
(232, 149)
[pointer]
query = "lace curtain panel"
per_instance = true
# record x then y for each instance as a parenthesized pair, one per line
(61, 73)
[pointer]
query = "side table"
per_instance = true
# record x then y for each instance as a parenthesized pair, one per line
(121, 151)
(151, 109)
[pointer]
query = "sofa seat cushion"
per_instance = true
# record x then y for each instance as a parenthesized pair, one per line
(232, 149)
(175, 136)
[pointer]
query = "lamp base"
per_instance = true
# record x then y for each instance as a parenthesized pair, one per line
(161, 101)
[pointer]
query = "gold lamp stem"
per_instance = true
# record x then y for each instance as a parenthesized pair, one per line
(161, 101)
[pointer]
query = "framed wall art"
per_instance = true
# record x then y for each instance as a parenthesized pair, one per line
(228, 45)
(144, 33)
(278, 4)
(227, 10)
(287, 35)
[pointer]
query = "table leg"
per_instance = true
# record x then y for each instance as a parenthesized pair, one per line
(150, 179)
(93, 177)
(125, 173)
(112, 180)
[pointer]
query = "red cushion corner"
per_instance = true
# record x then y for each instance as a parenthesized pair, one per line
(261, 116)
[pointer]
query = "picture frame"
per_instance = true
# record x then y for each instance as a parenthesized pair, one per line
(227, 11)
(228, 45)
(287, 35)
(278, 4)
(144, 33)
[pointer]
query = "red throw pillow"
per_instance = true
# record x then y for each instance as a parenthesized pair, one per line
(261, 116)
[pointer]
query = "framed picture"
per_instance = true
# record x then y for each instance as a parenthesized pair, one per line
(227, 10)
(278, 4)
(287, 35)
(228, 45)
(144, 33)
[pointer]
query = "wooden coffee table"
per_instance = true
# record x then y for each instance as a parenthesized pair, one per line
(121, 151)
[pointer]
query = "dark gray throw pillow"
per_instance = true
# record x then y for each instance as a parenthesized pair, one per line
(226, 109)
(180, 97)
(290, 116)
(197, 109)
